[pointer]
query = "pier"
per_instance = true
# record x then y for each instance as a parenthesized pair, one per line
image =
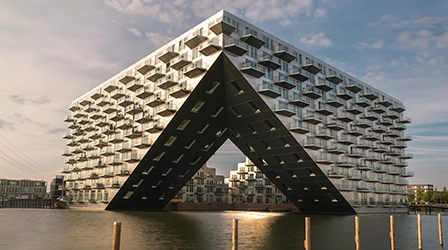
(427, 208)
(33, 203)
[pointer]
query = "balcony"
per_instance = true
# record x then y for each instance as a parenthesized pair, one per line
(66, 153)
(268, 89)
(334, 125)
(69, 119)
(97, 115)
(379, 129)
(100, 144)
(252, 38)
(353, 109)
(354, 87)
(108, 130)
(404, 120)
(324, 134)
(312, 118)
(117, 138)
(385, 121)
(392, 152)
(134, 109)
(379, 149)
(111, 87)
(197, 38)
(398, 107)
(116, 117)
(311, 92)
(142, 142)
(385, 101)
(344, 116)
(312, 143)
(335, 149)
(380, 168)
(345, 139)
(284, 109)
(364, 144)
(269, 62)
(124, 124)
(252, 69)
(86, 102)
(297, 100)
(284, 81)
(117, 94)
(346, 187)
(108, 109)
(324, 158)
(334, 77)
(180, 90)
(166, 110)
(235, 46)
(324, 85)
(156, 74)
(401, 163)
(370, 94)
(336, 101)
(145, 92)
(181, 61)
(311, 67)
(407, 174)
(399, 126)
(299, 127)
(355, 176)
(325, 110)
(371, 116)
(167, 82)
(109, 151)
(153, 127)
(144, 67)
(378, 109)
(386, 141)
(335, 174)
(400, 145)
(74, 107)
(346, 163)
(210, 47)
(168, 54)
(354, 132)
(386, 161)
(132, 157)
(127, 77)
(284, 53)
(154, 101)
(344, 93)
(405, 138)
(222, 24)
(134, 85)
(371, 137)
(195, 69)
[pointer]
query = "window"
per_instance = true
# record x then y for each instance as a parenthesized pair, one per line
(190, 144)
(197, 107)
(213, 87)
(170, 141)
(183, 124)
(217, 112)
(128, 195)
(159, 156)
(203, 128)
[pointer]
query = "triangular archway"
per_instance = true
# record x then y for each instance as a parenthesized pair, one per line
(225, 106)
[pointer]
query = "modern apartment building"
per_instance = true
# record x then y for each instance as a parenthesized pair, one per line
(248, 184)
(205, 186)
(330, 142)
(23, 189)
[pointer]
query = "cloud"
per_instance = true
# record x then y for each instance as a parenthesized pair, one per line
(4, 124)
(319, 13)
(420, 39)
(442, 40)
(363, 45)
(135, 32)
(390, 21)
(377, 44)
(23, 100)
(157, 39)
(315, 39)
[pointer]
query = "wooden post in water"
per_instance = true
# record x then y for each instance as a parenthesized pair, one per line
(116, 236)
(307, 241)
(392, 233)
(439, 216)
(419, 231)
(357, 244)
(235, 234)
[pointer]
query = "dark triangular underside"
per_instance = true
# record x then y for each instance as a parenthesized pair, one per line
(231, 109)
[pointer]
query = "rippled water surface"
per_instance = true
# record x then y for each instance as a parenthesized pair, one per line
(72, 229)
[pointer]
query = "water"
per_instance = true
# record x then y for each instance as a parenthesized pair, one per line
(70, 229)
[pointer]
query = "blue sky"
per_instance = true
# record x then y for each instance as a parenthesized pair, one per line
(53, 51)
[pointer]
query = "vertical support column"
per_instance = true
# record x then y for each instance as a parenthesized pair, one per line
(235, 234)
(116, 236)
(392, 233)
(307, 241)
(439, 217)
(357, 243)
(419, 231)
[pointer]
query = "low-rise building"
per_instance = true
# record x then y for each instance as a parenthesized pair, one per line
(412, 188)
(24, 189)
(205, 186)
(248, 184)
(56, 186)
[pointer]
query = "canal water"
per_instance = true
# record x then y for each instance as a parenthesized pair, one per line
(71, 229)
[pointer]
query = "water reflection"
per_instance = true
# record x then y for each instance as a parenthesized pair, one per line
(70, 229)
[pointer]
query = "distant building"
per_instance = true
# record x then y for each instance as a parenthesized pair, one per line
(248, 184)
(205, 186)
(56, 186)
(412, 188)
(25, 189)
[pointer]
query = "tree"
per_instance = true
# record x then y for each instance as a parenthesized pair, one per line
(411, 198)
(418, 195)
(427, 195)
(444, 195)
(435, 196)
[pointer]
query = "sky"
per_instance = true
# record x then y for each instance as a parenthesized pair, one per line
(53, 51)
